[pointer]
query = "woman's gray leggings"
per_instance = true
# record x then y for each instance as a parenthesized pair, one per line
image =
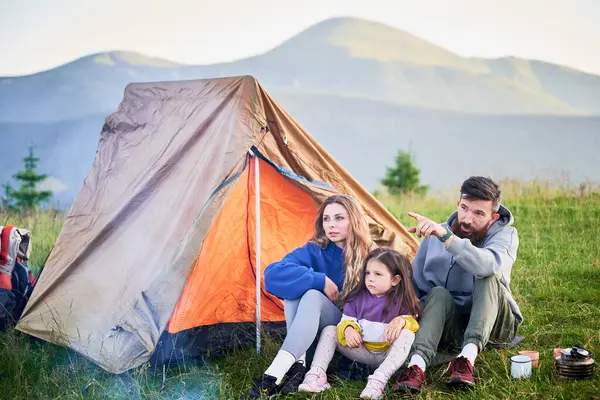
(305, 318)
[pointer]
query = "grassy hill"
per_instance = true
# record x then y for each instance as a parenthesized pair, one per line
(552, 280)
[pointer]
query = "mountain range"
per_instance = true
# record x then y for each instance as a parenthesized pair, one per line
(361, 88)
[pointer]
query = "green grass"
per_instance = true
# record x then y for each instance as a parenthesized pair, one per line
(556, 281)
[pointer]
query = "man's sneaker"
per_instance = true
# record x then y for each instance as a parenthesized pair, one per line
(411, 380)
(263, 387)
(461, 372)
(314, 381)
(374, 389)
(293, 378)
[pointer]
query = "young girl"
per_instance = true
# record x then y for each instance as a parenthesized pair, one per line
(309, 280)
(377, 327)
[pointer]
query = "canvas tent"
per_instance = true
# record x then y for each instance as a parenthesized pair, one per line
(157, 256)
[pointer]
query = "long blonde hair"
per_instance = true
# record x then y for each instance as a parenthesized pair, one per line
(358, 241)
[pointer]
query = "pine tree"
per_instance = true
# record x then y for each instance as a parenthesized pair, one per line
(6, 200)
(404, 176)
(26, 198)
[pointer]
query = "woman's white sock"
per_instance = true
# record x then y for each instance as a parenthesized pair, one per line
(302, 359)
(281, 365)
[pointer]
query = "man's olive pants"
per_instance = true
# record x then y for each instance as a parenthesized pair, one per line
(491, 320)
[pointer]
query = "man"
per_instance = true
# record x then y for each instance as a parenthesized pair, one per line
(462, 276)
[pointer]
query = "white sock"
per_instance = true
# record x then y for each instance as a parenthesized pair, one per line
(281, 364)
(302, 359)
(418, 361)
(469, 352)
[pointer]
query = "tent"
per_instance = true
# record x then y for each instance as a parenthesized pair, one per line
(157, 258)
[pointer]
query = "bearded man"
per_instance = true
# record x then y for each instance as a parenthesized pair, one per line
(462, 277)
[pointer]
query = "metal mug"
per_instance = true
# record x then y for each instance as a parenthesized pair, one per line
(520, 366)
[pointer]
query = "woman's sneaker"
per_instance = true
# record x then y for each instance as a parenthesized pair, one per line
(374, 389)
(293, 378)
(314, 381)
(262, 387)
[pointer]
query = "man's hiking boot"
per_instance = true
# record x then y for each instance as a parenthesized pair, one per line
(461, 372)
(411, 380)
(263, 388)
(293, 378)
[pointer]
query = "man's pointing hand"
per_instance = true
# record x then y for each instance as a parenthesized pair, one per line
(426, 227)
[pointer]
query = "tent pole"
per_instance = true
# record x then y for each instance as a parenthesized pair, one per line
(258, 250)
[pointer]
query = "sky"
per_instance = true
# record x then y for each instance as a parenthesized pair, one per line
(36, 35)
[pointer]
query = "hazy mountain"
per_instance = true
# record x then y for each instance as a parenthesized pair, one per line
(66, 150)
(364, 137)
(363, 89)
(449, 146)
(343, 56)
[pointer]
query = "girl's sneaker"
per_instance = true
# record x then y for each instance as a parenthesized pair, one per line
(315, 380)
(374, 389)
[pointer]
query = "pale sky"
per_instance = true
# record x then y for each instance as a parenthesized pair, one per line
(40, 34)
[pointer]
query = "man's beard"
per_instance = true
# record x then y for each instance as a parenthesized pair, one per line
(476, 237)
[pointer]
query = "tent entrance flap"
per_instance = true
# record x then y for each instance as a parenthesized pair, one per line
(221, 288)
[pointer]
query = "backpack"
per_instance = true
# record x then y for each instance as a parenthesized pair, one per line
(16, 279)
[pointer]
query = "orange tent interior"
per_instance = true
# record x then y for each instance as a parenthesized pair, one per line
(221, 288)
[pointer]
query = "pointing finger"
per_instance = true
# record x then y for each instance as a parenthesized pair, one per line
(414, 215)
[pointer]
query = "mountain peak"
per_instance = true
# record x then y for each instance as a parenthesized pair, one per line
(360, 38)
(131, 58)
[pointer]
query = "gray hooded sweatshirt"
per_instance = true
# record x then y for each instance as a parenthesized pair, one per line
(457, 267)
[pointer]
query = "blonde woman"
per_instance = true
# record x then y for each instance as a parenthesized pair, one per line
(310, 280)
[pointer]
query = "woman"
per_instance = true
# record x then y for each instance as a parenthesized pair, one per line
(310, 280)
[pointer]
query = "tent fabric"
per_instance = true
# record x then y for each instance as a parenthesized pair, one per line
(168, 162)
(221, 287)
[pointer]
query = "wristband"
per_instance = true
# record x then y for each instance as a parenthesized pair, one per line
(446, 236)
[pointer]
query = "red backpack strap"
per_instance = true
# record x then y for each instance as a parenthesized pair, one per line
(5, 281)
(5, 277)
(4, 238)
(32, 278)
(10, 240)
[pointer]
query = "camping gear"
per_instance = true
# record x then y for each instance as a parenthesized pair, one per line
(196, 188)
(534, 355)
(556, 352)
(520, 366)
(574, 363)
(16, 280)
